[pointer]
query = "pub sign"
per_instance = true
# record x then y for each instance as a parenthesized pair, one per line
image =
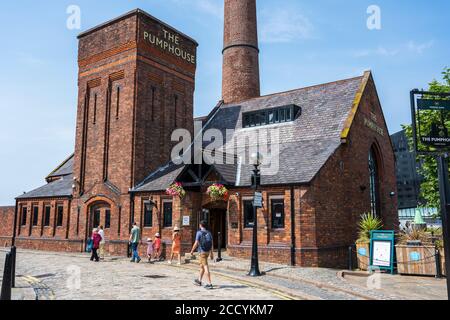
(431, 121)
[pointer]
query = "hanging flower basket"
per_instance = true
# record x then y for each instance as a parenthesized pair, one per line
(176, 190)
(217, 192)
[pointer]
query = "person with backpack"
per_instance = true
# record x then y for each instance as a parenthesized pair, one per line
(204, 243)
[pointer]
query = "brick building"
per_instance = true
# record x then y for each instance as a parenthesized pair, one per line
(136, 84)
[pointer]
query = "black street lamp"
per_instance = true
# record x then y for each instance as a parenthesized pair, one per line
(256, 159)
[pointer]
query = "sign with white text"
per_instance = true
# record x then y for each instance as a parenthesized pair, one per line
(257, 200)
(382, 250)
(431, 121)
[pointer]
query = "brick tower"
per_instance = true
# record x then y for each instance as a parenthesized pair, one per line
(136, 85)
(240, 71)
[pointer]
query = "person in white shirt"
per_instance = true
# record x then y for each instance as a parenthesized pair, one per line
(102, 243)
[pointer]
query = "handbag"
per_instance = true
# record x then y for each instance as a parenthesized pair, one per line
(89, 245)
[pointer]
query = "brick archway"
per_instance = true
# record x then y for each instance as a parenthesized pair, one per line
(96, 210)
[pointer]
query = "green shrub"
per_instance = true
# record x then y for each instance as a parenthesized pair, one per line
(369, 222)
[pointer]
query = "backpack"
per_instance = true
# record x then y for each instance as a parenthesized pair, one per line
(206, 241)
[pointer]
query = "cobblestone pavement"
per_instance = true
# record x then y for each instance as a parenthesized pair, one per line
(323, 283)
(414, 288)
(396, 287)
(54, 276)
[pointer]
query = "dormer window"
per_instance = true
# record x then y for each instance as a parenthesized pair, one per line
(270, 116)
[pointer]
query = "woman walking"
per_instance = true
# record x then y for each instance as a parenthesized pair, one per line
(176, 245)
(96, 239)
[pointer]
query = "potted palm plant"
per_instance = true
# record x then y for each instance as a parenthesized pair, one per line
(368, 222)
(415, 252)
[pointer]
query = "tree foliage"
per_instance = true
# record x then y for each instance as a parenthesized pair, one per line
(429, 189)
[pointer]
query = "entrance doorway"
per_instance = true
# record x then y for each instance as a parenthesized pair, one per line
(218, 223)
(100, 214)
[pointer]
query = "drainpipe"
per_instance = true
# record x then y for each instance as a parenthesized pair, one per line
(132, 217)
(13, 240)
(292, 227)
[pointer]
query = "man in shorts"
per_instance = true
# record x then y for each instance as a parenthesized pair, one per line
(204, 243)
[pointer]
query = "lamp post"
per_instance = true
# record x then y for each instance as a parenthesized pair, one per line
(256, 159)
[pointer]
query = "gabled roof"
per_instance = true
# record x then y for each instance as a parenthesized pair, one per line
(170, 173)
(58, 188)
(160, 179)
(64, 169)
(327, 113)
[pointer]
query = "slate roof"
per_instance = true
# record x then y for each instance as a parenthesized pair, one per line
(160, 179)
(64, 169)
(58, 188)
(305, 143)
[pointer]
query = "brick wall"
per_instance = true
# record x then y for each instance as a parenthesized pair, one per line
(6, 225)
(341, 189)
(327, 210)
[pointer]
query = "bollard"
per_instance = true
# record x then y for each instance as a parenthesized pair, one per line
(437, 258)
(219, 245)
(13, 266)
(350, 258)
(6, 283)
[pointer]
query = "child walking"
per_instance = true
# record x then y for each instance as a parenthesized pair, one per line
(157, 247)
(149, 249)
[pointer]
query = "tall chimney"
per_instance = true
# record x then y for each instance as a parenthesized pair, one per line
(240, 70)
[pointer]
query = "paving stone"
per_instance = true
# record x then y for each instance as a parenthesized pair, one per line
(49, 275)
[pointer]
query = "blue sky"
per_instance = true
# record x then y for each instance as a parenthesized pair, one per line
(302, 43)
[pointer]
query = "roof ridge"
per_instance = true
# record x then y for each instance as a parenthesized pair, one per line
(60, 166)
(26, 195)
(297, 89)
(148, 178)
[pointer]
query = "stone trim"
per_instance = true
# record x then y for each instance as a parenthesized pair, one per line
(240, 45)
(355, 106)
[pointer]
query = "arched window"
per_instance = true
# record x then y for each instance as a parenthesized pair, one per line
(374, 184)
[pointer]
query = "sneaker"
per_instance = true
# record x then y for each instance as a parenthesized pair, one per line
(132, 260)
(139, 260)
(209, 287)
(170, 262)
(197, 283)
(179, 263)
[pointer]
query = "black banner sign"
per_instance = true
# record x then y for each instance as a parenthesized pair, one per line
(431, 121)
(433, 104)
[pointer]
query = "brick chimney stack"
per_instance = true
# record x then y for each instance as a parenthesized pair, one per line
(240, 70)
